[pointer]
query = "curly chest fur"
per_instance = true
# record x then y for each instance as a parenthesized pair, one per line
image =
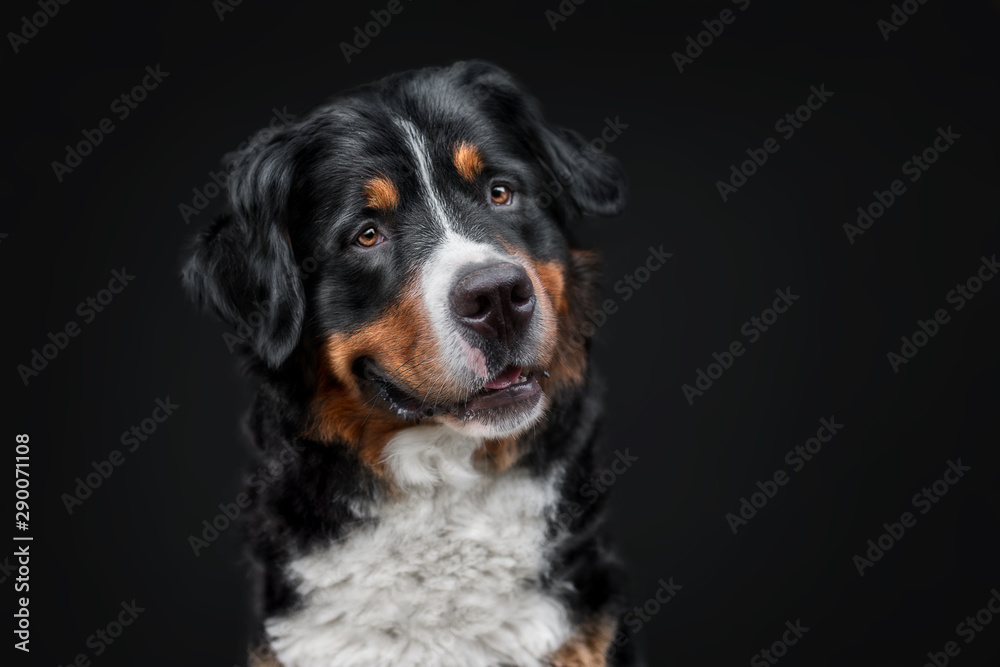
(449, 573)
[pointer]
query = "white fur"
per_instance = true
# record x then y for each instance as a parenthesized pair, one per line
(429, 456)
(446, 578)
(450, 256)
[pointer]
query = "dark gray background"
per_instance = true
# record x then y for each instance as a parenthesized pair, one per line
(825, 357)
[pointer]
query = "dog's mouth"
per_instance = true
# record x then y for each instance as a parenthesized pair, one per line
(512, 391)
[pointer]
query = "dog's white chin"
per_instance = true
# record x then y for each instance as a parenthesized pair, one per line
(507, 426)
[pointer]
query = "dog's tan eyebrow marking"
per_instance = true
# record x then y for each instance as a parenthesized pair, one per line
(381, 193)
(468, 160)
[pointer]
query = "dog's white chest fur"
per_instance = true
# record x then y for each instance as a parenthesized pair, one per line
(447, 577)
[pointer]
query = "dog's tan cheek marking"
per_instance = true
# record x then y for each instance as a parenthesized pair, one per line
(399, 341)
(552, 275)
(588, 648)
(381, 193)
(393, 340)
(468, 161)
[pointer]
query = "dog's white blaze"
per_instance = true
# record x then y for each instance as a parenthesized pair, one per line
(445, 578)
(418, 146)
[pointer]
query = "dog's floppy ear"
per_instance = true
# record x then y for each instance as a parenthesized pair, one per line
(243, 266)
(594, 181)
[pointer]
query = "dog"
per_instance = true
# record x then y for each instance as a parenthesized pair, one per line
(399, 267)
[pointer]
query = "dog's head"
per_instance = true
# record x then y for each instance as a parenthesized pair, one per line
(408, 242)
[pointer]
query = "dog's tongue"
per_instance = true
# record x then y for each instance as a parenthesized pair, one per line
(505, 379)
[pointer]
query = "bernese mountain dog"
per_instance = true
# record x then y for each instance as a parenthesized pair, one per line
(399, 267)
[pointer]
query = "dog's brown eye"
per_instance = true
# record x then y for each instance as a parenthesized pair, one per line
(369, 238)
(500, 194)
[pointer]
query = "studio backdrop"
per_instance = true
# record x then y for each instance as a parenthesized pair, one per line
(797, 335)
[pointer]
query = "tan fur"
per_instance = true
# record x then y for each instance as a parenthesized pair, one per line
(501, 454)
(381, 193)
(339, 414)
(589, 648)
(568, 365)
(468, 161)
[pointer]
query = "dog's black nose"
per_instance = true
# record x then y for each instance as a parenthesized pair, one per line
(495, 301)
